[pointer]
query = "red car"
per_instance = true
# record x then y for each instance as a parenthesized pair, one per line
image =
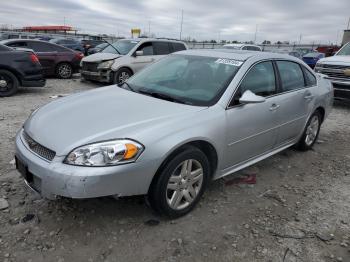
(56, 60)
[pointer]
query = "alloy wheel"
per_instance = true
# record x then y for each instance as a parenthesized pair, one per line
(65, 71)
(123, 76)
(5, 83)
(184, 184)
(312, 130)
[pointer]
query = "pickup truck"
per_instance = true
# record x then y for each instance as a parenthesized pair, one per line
(337, 70)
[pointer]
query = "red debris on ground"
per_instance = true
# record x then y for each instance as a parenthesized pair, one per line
(248, 179)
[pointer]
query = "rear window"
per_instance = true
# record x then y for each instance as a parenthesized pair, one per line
(161, 48)
(18, 44)
(178, 47)
(292, 76)
(41, 47)
(310, 79)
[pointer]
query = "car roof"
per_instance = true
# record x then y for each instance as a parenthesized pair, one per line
(153, 39)
(241, 55)
(22, 40)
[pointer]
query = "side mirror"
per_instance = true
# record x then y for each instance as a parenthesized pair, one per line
(139, 53)
(249, 97)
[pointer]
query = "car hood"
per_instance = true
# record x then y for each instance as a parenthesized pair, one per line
(335, 59)
(98, 57)
(99, 115)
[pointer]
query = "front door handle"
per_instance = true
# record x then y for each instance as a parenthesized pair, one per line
(308, 97)
(274, 107)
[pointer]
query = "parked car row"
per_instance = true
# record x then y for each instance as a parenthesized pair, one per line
(56, 60)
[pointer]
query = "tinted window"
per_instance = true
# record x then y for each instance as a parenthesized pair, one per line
(260, 80)
(178, 47)
(310, 79)
(161, 48)
(291, 75)
(41, 47)
(18, 44)
(147, 48)
(253, 48)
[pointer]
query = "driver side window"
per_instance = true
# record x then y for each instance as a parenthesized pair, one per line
(147, 48)
(260, 80)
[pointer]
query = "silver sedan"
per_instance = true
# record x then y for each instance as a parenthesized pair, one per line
(187, 119)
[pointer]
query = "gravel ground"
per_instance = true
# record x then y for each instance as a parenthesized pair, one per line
(299, 209)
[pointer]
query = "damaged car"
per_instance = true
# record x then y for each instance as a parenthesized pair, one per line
(120, 60)
(191, 117)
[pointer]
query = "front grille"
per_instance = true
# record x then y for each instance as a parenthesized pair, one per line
(38, 149)
(335, 71)
(92, 67)
(335, 66)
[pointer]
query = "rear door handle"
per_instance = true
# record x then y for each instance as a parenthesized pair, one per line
(274, 107)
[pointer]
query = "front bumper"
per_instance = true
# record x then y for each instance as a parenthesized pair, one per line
(104, 76)
(54, 178)
(341, 91)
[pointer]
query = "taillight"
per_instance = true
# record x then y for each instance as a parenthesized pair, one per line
(34, 58)
(79, 55)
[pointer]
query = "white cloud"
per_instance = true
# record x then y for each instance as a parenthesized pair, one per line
(315, 20)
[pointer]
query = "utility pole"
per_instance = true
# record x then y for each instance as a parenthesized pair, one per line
(348, 24)
(300, 37)
(256, 32)
(182, 20)
(64, 21)
(149, 28)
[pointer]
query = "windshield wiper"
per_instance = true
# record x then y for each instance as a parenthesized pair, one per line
(111, 45)
(162, 96)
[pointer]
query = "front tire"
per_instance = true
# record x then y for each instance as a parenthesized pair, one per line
(180, 184)
(64, 71)
(121, 76)
(311, 132)
(8, 83)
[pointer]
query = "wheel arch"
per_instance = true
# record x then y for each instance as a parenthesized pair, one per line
(322, 112)
(206, 147)
(122, 67)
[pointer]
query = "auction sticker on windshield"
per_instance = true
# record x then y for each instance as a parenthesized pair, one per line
(229, 62)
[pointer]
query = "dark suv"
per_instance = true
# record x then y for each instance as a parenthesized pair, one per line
(18, 68)
(55, 60)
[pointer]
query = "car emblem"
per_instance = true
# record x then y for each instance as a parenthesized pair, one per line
(347, 72)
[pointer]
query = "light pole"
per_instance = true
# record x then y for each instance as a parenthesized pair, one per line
(182, 20)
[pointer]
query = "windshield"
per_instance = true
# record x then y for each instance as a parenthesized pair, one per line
(194, 80)
(123, 47)
(345, 50)
(313, 55)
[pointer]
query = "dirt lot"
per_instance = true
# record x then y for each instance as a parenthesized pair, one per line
(299, 209)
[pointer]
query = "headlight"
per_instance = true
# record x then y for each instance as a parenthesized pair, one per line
(106, 64)
(107, 153)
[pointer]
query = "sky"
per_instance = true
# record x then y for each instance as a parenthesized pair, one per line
(318, 21)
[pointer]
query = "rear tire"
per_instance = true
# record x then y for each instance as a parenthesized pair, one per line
(8, 83)
(310, 134)
(180, 184)
(64, 70)
(121, 76)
